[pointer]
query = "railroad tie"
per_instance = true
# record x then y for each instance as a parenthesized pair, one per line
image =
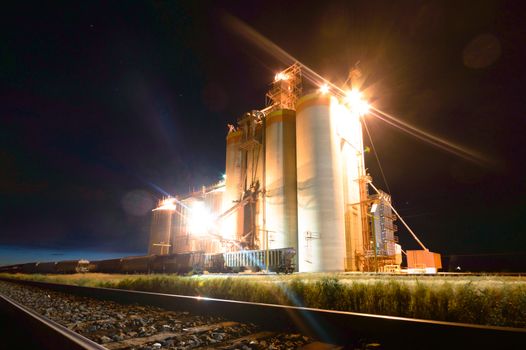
(320, 346)
(123, 344)
(235, 343)
(139, 341)
(77, 325)
(200, 329)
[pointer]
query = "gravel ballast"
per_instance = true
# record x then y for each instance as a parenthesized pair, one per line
(122, 326)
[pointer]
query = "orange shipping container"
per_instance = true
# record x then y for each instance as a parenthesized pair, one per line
(422, 258)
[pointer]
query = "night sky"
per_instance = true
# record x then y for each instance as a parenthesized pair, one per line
(105, 107)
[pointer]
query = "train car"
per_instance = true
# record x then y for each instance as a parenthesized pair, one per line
(106, 266)
(6, 268)
(67, 266)
(280, 260)
(180, 263)
(215, 263)
(29, 267)
(72, 266)
(164, 263)
(45, 267)
(137, 264)
(286, 260)
(196, 262)
(11, 268)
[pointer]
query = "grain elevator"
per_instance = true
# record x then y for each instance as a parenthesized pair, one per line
(294, 177)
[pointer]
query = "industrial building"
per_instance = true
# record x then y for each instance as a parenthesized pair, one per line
(294, 177)
(384, 242)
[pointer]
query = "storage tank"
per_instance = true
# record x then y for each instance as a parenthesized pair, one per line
(179, 236)
(349, 133)
(230, 224)
(281, 219)
(161, 227)
(201, 225)
(250, 215)
(321, 219)
(214, 202)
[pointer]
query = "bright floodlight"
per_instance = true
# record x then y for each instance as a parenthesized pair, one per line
(353, 96)
(167, 204)
(200, 220)
(356, 102)
(373, 207)
(324, 89)
(281, 76)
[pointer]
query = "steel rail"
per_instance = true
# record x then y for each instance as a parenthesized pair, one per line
(43, 332)
(336, 327)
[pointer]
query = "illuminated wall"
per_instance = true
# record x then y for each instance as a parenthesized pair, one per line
(329, 165)
(280, 201)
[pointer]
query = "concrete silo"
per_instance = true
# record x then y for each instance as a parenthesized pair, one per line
(161, 227)
(329, 175)
(321, 221)
(281, 221)
(232, 224)
(349, 131)
(179, 237)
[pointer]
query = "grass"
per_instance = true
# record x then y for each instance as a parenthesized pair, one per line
(488, 300)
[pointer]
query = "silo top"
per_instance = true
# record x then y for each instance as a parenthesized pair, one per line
(312, 99)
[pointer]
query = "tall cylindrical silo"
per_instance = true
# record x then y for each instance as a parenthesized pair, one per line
(230, 224)
(161, 227)
(321, 219)
(349, 131)
(214, 204)
(176, 231)
(179, 229)
(281, 219)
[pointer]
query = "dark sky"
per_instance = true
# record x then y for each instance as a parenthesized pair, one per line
(104, 103)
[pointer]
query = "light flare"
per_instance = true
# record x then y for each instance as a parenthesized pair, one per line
(353, 96)
(356, 102)
(309, 74)
(436, 141)
(324, 89)
(167, 204)
(281, 76)
(200, 220)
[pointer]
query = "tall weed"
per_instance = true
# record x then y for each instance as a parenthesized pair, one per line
(470, 301)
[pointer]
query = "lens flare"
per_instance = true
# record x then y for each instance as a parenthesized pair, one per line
(200, 220)
(324, 89)
(242, 29)
(281, 76)
(356, 102)
(167, 204)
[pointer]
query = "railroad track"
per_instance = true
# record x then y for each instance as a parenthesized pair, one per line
(99, 318)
